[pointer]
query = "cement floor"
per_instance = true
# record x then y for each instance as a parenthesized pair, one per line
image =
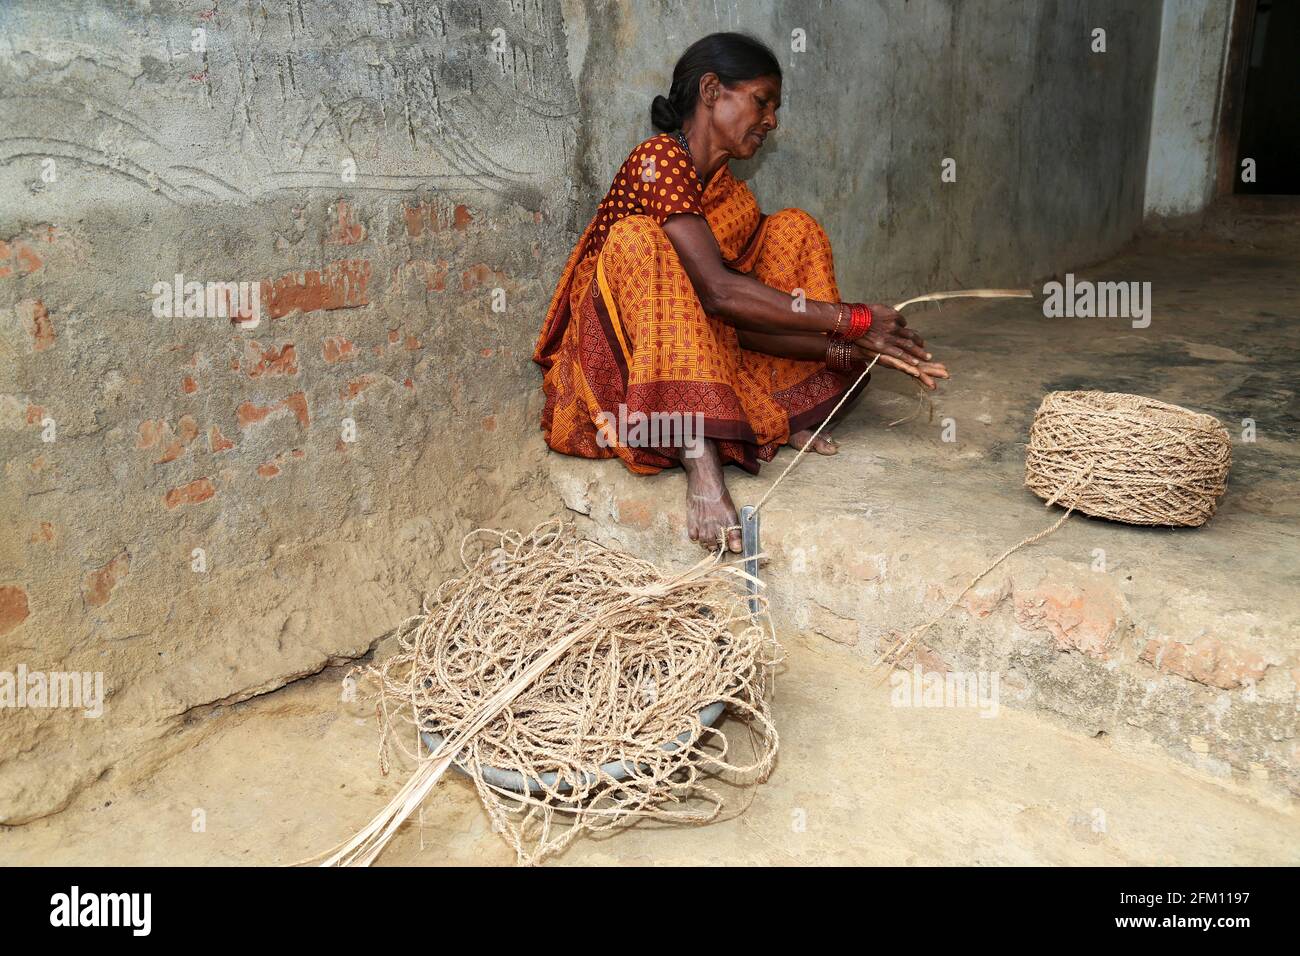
(858, 781)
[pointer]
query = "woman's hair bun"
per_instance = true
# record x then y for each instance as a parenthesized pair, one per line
(663, 115)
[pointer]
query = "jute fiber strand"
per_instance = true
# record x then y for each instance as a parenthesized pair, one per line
(1117, 456)
(551, 653)
(1148, 463)
(928, 297)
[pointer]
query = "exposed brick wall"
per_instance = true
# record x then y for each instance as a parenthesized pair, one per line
(210, 504)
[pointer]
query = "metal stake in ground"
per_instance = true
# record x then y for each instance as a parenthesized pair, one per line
(749, 538)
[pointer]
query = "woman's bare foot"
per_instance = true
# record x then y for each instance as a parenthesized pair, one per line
(708, 503)
(824, 445)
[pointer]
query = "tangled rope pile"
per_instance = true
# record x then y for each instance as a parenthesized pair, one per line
(1127, 458)
(554, 655)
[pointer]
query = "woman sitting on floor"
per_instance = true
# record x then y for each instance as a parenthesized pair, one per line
(683, 303)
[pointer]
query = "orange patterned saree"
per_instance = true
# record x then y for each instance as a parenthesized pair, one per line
(625, 333)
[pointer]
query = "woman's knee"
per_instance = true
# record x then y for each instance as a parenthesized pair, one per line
(800, 221)
(638, 235)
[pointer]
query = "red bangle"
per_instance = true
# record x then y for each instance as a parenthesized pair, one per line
(859, 321)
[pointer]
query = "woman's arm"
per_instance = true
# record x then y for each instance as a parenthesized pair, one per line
(805, 346)
(752, 306)
(811, 347)
(738, 299)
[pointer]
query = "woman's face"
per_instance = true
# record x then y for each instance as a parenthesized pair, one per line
(743, 115)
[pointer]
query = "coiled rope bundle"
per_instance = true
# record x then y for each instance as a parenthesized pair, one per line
(1116, 456)
(1127, 458)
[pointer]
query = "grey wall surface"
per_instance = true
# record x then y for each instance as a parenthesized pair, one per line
(185, 511)
(1185, 112)
(1050, 139)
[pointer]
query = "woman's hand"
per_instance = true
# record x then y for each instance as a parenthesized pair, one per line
(898, 347)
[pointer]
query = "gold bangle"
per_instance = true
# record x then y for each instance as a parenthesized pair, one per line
(839, 317)
(839, 357)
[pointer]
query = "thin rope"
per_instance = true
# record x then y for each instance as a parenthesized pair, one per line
(794, 461)
(904, 644)
(929, 297)
(1111, 455)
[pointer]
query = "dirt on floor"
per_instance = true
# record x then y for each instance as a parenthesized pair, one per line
(859, 780)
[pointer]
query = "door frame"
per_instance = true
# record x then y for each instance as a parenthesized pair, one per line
(1232, 96)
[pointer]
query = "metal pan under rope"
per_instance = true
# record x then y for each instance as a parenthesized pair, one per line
(514, 781)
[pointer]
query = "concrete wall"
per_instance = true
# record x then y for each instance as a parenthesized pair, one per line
(1181, 168)
(1050, 139)
(177, 434)
(132, 443)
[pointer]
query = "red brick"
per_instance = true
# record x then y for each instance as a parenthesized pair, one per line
(346, 232)
(153, 434)
(434, 273)
(336, 348)
(355, 387)
(417, 217)
(150, 433)
(980, 602)
(38, 323)
(196, 492)
(28, 260)
(218, 442)
(99, 584)
(250, 414)
(1205, 660)
(1079, 620)
(429, 217)
(477, 275)
(297, 403)
(187, 429)
(13, 607)
(270, 362)
(340, 285)
(21, 257)
(636, 512)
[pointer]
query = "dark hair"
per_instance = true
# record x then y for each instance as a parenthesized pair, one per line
(733, 56)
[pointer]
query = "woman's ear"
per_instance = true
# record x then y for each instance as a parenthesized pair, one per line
(710, 87)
